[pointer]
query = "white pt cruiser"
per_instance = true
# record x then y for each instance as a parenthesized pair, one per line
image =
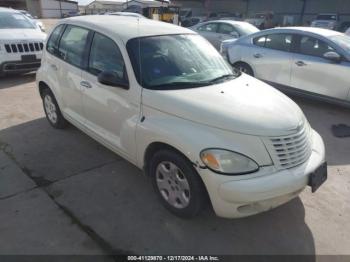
(164, 99)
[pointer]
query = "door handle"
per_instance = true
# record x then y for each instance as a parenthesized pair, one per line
(257, 55)
(300, 63)
(85, 84)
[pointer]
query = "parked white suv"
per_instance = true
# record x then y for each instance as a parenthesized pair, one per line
(21, 43)
(163, 98)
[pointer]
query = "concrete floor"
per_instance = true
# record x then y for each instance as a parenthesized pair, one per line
(63, 193)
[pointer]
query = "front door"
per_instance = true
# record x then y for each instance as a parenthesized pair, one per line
(111, 110)
(314, 73)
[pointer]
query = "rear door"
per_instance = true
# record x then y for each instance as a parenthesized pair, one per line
(271, 58)
(71, 52)
(227, 31)
(210, 32)
(313, 73)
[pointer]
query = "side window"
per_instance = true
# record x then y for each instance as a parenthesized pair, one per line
(72, 45)
(282, 42)
(212, 27)
(227, 29)
(260, 41)
(106, 56)
(52, 43)
(313, 46)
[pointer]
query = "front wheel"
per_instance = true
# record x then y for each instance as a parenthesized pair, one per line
(177, 184)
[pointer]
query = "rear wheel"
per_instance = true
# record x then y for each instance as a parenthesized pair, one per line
(244, 68)
(52, 110)
(177, 183)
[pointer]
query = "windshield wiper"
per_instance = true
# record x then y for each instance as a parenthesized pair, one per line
(223, 77)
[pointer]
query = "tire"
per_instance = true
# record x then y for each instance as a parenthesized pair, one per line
(52, 110)
(244, 68)
(177, 184)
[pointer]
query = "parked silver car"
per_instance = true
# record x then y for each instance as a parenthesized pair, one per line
(220, 30)
(314, 61)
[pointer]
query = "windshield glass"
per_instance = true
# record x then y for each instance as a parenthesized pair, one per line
(177, 61)
(15, 21)
(343, 41)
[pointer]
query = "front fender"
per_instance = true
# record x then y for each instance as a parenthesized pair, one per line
(191, 138)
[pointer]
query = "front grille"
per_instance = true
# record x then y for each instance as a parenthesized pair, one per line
(24, 47)
(292, 150)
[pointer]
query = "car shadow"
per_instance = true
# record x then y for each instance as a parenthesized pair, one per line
(120, 206)
(9, 81)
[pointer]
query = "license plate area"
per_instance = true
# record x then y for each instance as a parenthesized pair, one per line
(318, 177)
(28, 58)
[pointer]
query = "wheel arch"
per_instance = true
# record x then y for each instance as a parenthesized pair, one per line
(244, 63)
(154, 147)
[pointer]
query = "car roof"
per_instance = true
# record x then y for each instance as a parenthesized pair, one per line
(10, 10)
(298, 29)
(126, 27)
(233, 22)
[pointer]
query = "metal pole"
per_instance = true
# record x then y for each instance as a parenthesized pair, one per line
(302, 12)
(60, 7)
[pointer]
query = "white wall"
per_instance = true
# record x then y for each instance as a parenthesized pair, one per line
(51, 8)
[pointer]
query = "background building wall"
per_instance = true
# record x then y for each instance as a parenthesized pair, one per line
(54, 9)
(33, 7)
(280, 8)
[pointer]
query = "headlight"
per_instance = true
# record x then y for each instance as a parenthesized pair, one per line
(228, 162)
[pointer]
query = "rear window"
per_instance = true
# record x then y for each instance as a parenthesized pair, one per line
(72, 45)
(9, 20)
(52, 44)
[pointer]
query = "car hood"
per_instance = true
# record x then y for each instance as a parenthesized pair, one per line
(244, 105)
(21, 34)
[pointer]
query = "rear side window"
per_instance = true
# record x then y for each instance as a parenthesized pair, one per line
(212, 27)
(313, 46)
(72, 45)
(106, 56)
(282, 42)
(52, 44)
(227, 29)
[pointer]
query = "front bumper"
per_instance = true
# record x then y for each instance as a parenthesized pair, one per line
(234, 197)
(11, 67)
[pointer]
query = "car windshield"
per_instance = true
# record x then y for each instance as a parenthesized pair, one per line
(343, 41)
(14, 21)
(176, 62)
(326, 17)
(246, 29)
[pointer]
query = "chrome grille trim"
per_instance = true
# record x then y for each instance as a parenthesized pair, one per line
(291, 150)
(24, 47)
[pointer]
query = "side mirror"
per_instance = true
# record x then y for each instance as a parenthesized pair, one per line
(110, 78)
(333, 56)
